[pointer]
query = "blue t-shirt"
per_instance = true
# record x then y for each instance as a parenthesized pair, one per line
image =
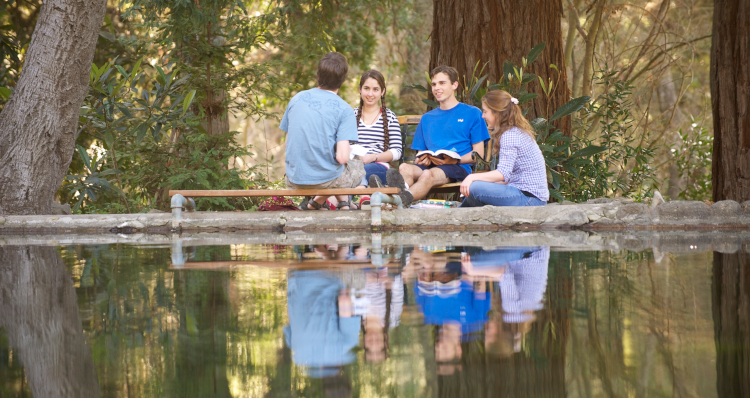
(456, 129)
(465, 307)
(315, 120)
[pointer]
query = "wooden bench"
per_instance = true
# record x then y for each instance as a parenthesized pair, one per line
(259, 193)
(480, 166)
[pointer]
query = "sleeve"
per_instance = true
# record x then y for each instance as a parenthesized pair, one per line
(396, 146)
(507, 156)
(418, 143)
(479, 130)
(284, 125)
(347, 130)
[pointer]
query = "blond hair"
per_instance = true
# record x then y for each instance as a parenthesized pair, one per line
(507, 116)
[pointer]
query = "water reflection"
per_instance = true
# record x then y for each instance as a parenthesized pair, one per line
(731, 310)
(40, 317)
(370, 320)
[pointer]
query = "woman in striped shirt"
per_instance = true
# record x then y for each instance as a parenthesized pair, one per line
(377, 127)
(521, 175)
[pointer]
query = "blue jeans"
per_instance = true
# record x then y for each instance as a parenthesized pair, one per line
(374, 168)
(483, 193)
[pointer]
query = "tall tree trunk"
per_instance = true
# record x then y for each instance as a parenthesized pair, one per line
(470, 31)
(39, 310)
(730, 99)
(731, 309)
(38, 124)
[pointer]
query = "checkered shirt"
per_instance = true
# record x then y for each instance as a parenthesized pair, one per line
(523, 285)
(522, 164)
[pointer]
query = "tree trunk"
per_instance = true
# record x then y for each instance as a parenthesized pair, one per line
(38, 124)
(731, 309)
(486, 31)
(730, 99)
(39, 310)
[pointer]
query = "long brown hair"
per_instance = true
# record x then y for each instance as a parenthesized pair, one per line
(373, 74)
(507, 116)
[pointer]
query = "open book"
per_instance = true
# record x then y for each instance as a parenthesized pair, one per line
(441, 154)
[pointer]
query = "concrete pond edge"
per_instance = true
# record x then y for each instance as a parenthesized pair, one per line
(596, 215)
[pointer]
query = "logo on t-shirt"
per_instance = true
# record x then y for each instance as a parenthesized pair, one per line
(460, 120)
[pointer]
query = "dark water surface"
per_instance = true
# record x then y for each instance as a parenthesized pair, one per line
(341, 321)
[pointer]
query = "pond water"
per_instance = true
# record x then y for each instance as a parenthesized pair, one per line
(362, 321)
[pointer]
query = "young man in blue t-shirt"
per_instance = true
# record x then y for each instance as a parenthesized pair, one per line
(319, 126)
(453, 126)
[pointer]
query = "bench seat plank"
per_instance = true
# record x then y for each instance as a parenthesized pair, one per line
(218, 193)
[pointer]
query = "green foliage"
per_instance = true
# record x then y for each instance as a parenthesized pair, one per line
(212, 41)
(624, 165)
(692, 156)
(151, 143)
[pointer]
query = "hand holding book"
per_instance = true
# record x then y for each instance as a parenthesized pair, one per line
(438, 158)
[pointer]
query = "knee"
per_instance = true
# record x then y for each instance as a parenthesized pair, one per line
(425, 176)
(403, 168)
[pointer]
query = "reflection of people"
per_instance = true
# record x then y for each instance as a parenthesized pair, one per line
(322, 331)
(457, 307)
(522, 280)
(385, 298)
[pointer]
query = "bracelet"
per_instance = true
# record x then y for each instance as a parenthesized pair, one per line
(376, 157)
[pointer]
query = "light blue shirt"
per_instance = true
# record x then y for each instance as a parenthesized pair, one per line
(456, 129)
(315, 120)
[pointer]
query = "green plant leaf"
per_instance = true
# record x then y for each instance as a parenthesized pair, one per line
(527, 97)
(84, 157)
(187, 101)
(589, 151)
(417, 87)
(141, 134)
(534, 53)
(571, 106)
(556, 194)
(478, 84)
(538, 123)
(5, 92)
(431, 103)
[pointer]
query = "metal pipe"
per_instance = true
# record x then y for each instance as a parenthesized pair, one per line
(178, 203)
(376, 252)
(376, 206)
(178, 259)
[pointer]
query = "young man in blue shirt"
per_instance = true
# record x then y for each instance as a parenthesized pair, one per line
(453, 126)
(319, 126)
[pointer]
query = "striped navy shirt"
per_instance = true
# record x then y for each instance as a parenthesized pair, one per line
(522, 164)
(372, 137)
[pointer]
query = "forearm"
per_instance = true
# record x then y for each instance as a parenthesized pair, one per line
(342, 152)
(386, 156)
(490, 176)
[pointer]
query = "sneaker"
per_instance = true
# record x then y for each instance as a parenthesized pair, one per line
(375, 182)
(394, 179)
(406, 198)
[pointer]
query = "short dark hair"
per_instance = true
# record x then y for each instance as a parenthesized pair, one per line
(448, 70)
(332, 70)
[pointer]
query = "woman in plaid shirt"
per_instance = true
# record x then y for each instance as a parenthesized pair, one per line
(521, 177)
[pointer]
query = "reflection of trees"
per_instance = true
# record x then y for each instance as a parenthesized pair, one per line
(731, 309)
(537, 371)
(39, 312)
(639, 328)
